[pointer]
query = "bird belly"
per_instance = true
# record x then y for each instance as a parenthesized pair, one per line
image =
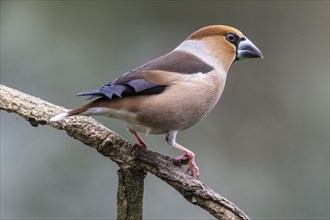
(128, 117)
(177, 110)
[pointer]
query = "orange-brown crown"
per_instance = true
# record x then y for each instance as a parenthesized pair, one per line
(213, 30)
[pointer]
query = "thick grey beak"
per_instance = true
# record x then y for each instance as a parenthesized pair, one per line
(246, 49)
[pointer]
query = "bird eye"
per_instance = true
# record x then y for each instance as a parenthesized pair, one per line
(232, 38)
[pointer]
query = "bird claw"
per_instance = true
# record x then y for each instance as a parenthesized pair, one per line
(190, 160)
(193, 168)
(182, 160)
(140, 145)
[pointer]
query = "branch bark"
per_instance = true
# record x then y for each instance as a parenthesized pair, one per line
(130, 193)
(129, 159)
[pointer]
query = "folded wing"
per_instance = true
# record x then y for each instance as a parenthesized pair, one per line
(136, 81)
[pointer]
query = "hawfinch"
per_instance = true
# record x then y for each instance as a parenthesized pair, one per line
(172, 92)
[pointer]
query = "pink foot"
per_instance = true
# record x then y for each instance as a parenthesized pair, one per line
(189, 158)
(140, 143)
(182, 160)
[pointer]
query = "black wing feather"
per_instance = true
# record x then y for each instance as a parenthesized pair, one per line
(131, 88)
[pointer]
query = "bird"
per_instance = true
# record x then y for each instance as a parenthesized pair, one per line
(173, 92)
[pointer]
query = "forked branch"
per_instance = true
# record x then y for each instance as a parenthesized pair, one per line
(111, 145)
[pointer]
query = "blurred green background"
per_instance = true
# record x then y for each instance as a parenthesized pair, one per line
(265, 146)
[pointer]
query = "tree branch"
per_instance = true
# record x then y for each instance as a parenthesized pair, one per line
(111, 145)
(130, 193)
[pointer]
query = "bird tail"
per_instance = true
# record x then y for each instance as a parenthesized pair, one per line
(60, 116)
(77, 111)
(94, 107)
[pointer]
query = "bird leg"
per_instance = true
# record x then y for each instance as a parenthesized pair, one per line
(192, 167)
(140, 142)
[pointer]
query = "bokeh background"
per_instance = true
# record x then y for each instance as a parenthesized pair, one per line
(265, 146)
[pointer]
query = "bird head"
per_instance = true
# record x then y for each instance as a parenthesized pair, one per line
(226, 44)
